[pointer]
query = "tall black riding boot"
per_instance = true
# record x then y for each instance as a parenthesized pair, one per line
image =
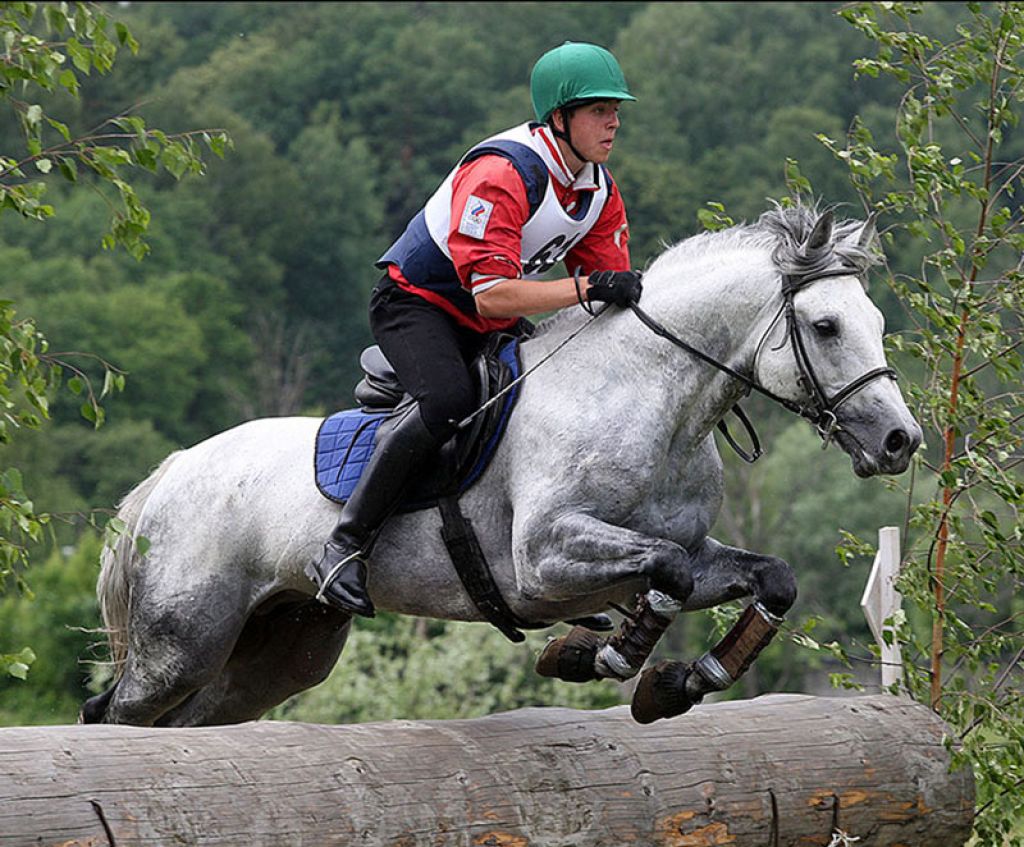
(340, 572)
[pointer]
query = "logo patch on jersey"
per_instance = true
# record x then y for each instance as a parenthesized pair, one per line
(617, 236)
(475, 216)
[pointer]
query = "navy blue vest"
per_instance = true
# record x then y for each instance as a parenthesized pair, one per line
(421, 261)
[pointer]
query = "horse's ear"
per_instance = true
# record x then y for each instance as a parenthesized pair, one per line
(821, 235)
(868, 233)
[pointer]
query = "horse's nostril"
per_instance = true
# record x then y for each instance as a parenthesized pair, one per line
(897, 442)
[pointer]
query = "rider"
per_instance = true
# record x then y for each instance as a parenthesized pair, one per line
(468, 265)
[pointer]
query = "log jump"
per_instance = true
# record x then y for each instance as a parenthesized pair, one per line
(778, 770)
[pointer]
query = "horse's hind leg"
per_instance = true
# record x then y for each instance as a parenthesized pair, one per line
(95, 708)
(721, 573)
(287, 646)
(179, 639)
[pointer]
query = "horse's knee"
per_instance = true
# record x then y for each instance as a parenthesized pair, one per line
(669, 572)
(776, 586)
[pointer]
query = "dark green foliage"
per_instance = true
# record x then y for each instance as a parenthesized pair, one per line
(410, 668)
(950, 182)
(61, 624)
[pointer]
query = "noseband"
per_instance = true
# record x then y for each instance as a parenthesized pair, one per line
(821, 411)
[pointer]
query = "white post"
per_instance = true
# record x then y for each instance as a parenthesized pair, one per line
(881, 601)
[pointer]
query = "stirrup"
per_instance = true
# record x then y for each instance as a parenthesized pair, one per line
(333, 574)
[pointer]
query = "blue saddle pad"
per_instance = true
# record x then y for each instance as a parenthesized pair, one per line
(345, 443)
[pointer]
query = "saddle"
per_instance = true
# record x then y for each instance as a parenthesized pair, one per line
(345, 443)
(345, 440)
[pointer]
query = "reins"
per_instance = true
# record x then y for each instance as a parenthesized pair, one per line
(822, 410)
(468, 419)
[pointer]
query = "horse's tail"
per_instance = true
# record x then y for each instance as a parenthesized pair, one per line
(119, 561)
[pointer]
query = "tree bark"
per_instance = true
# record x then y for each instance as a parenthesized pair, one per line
(779, 770)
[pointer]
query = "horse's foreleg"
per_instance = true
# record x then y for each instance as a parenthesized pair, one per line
(578, 555)
(581, 656)
(582, 555)
(721, 574)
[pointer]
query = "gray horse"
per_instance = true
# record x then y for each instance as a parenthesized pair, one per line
(603, 490)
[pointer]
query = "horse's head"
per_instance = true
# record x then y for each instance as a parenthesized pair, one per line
(823, 351)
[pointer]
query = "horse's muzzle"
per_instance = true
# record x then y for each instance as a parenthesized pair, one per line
(891, 455)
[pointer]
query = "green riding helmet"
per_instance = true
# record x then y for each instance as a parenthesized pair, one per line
(574, 73)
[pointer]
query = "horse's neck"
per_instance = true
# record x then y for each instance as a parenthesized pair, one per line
(718, 305)
(721, 307)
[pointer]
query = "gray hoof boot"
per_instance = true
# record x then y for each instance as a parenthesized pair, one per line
(340, 574)
(661, 693)
(571, 657)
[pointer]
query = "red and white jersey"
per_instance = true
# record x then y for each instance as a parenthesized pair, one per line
(510, 209)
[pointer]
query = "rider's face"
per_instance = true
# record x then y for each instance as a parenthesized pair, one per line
(592, 128)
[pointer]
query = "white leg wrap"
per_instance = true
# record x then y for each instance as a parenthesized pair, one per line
(663, 605)
(611, 664)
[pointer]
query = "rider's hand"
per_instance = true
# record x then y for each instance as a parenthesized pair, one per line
(623, 288)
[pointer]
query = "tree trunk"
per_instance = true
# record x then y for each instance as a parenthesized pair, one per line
(778, 770)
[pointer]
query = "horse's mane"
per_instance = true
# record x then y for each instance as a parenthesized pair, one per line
(781, 231)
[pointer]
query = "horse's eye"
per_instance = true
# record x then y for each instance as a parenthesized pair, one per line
(827, 327)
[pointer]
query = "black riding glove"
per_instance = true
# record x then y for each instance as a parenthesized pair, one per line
(623, 288)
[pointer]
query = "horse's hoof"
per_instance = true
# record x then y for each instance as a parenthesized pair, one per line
(661, 693)
(571, 657)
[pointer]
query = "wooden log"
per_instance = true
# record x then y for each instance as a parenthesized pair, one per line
(779, 770)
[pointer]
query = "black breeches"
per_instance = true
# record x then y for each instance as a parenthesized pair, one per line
(430, 353)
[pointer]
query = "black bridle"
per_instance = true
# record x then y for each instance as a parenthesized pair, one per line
(821, 411)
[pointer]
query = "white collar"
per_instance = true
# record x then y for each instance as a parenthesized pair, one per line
(551, 153)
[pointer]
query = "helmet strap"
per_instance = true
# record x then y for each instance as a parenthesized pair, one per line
(565, 134)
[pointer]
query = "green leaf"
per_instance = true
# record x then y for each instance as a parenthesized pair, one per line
(68, 79)
(18, 665)
(56, 19)
(60, 127)
(19, 670)
(68, 168)
(12, 478)
(81, 56)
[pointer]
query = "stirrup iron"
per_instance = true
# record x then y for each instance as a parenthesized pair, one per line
(333, 574)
